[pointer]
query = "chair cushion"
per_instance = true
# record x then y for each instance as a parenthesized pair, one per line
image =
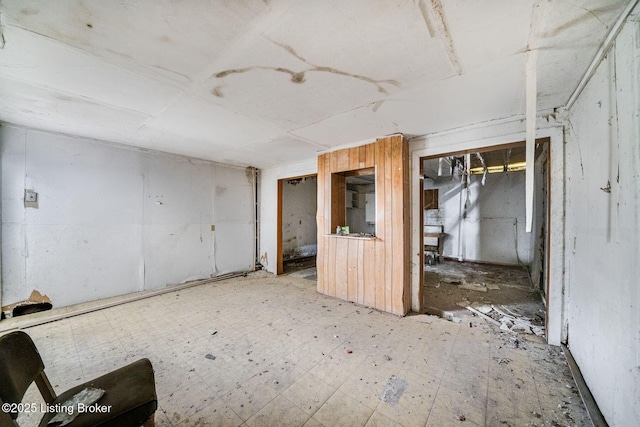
(130, 391)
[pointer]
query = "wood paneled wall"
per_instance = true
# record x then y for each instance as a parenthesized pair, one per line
(369, 271)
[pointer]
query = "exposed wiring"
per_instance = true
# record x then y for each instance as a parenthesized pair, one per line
(484, 168)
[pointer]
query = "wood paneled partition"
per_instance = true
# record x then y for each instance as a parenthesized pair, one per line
(373, 271)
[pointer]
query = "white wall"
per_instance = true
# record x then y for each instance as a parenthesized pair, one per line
(268, 201)
(299, 228)
(603, 230)
(234, 218)
(111, 220)
(493, 224)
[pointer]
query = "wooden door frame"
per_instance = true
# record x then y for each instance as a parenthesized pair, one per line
(279, 254)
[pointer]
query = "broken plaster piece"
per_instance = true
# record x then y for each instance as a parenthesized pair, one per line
(479, 287)
(516, 323)
(70, 408)
(448, 315)
(484, 316)
(485, 309)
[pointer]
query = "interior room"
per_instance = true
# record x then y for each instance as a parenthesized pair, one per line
(476, 250)
(399, 213)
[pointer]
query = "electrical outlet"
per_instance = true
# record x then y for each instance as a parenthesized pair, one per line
(30, 199)
(30, 196)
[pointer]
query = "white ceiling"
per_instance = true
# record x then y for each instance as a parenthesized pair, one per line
(269, 82)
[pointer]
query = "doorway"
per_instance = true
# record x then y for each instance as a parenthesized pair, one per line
(297, 229)
(474, 247)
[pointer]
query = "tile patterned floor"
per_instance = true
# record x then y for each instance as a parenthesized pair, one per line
(288, 356)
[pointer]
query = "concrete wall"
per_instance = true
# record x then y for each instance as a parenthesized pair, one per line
(112, 220)
(299, 229)
(603, 230)
(268, 207)
(494, 222)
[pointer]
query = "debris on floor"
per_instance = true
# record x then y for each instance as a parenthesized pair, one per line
(510, 322)
(451, 317)
(516, 323)
(85, 397)
(210, 356)
(484, 309)
(478, 287)
(35, 303)
(443, 362)
(514, 342)
(453, 286)
(464, 303)
(394, 389)
(479, 313)
(447, 315)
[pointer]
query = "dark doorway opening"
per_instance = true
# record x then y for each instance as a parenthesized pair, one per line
(297, 228)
